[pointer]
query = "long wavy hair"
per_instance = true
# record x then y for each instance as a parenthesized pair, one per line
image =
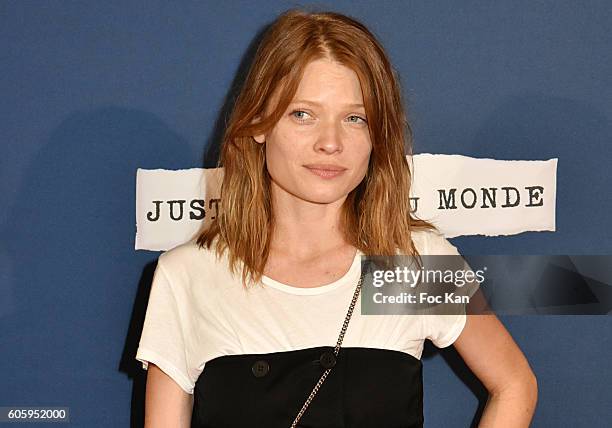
(375, 217)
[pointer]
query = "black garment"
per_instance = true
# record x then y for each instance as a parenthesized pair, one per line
(367, 387)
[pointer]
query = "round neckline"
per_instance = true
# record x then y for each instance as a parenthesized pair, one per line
(349, 277)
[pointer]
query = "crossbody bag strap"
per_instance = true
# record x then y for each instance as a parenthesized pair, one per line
(336, 351)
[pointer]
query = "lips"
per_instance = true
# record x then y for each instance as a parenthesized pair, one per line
(326, 171)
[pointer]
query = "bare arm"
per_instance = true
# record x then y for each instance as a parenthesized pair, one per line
(493, 356)
(166, 404)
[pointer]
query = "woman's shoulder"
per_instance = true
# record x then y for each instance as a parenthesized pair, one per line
(189, 259)
(432, 242)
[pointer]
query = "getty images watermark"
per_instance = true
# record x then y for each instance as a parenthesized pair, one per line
(428, 285)
(454, 284)
(413, 277)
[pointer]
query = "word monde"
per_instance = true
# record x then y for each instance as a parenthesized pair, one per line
(487, 197)
(178, 209)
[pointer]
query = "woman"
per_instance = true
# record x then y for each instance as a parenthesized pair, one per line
(242, 321)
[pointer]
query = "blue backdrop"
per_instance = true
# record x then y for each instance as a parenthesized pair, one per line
(93, 90)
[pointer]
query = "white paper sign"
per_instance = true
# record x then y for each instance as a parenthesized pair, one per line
(459, 194)
(172, 206)
(470, 196)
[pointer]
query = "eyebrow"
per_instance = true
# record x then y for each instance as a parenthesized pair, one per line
(314, 103)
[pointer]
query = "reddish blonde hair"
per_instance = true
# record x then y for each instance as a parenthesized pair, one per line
(376, 215)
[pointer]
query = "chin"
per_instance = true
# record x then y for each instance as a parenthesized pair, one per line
(323, 197)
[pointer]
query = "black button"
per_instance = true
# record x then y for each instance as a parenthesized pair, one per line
(327, 360)
(260, 368)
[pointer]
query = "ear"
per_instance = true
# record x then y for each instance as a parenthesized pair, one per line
(258, 138)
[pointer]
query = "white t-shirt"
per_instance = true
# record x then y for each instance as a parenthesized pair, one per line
(198, 311)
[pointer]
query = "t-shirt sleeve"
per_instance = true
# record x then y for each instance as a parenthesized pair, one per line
(443, 330)
(162, 341)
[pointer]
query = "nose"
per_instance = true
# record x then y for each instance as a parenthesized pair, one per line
(329, 139)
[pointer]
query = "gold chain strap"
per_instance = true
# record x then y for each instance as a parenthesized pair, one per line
(336, 351)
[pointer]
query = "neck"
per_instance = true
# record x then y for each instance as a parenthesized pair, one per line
(305, 229)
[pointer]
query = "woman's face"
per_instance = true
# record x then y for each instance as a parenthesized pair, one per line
(320, 148)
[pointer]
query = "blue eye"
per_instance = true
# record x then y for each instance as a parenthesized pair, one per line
(300, 115)
(357, 119)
